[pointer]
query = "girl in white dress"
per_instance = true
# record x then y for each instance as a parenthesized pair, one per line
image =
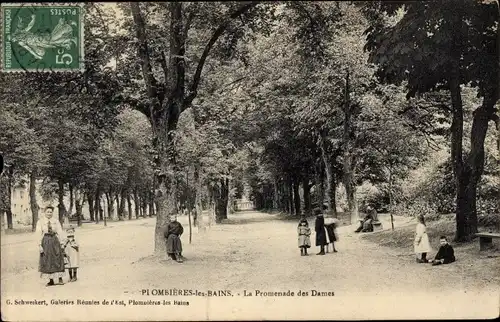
(422, 245)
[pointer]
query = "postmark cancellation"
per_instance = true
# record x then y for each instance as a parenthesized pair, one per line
(42, 37)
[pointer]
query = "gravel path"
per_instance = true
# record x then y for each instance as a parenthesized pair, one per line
(253, 251)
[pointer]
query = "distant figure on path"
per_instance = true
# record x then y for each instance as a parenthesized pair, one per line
(331, 232)
(195, 216)
(172, 235)
(422, 245)
(51, 264)
(445, 254)
(72, 252)
(304, 233)
(319, 228)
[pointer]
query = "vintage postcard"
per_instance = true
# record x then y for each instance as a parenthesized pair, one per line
(250, 160)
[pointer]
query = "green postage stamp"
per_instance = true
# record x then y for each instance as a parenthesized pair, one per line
(42, 37)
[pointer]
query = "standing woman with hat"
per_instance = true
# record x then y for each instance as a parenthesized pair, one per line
(51, 235)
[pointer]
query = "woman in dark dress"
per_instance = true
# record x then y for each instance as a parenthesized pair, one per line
(319, 228)
(172, 235)
(51, 264)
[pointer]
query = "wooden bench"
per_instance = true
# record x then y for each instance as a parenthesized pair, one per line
(486, 240)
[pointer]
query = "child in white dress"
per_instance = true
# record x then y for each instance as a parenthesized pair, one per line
(421, 244)
(72, 252)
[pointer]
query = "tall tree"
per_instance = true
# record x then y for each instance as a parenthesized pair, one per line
(173, 92)
(441, 45)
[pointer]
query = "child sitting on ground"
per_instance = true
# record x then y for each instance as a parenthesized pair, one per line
(304, 236)
(445, 254)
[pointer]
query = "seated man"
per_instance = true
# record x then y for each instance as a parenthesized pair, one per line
(445, 254)
(365, 224)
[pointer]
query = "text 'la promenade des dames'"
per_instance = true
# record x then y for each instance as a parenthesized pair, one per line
(244, 293)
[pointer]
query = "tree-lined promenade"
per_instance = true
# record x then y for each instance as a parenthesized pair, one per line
(291, 104)
(227, 258)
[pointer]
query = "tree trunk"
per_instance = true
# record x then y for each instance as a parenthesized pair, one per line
(151, 201)
(221, 200)
(496, 119)
(101, 211)
(144, 201)
(211, 205)
(327, 166)
(230, 197)
(129, 204)
(6, 196)
(319, 183)
(275, 194)
(90, 200)
(351, 195)
(473, 168)
(120, 207)
(71, 199)
(461, 177)
(307, 195)
(190, 226)
(283, 196)
(329, 187)
(60, 206)
(111, 208)
(391, 199)
(78, 207)
(33, 202)
(136, 204)
(281, 199)
(291, 208)
(139, 202)
(97, 205)
(120, 200)
(199, 220)
(286, 201)
(105, 211)
(296, 196)
(333, 196)
(349, 158)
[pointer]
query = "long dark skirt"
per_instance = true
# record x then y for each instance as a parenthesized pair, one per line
(321, 238)
(51, 262)
(174, 245)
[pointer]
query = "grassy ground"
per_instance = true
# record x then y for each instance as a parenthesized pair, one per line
(470, 261)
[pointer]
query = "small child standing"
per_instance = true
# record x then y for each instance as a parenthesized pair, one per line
(421, 244)
(304, 233)
(72, 251)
